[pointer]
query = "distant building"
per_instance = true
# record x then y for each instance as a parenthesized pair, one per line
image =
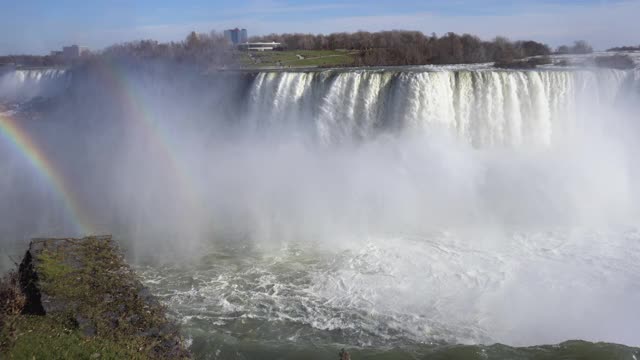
(236, 36)
(232, 36)
(244, 36)
(74, 51)
(71, 52)
(260, 46)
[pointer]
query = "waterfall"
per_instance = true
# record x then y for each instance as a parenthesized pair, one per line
(23, 85)
(481, 107)
(387, 207)
(484, 108)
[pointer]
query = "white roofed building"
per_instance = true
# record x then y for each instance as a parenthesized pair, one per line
(260, 46)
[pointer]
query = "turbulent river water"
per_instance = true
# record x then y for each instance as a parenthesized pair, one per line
(397, 213)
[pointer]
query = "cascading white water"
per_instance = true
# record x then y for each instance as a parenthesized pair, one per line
(484, 108)
(21, 85)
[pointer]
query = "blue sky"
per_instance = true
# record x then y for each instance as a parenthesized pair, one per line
(38, 26)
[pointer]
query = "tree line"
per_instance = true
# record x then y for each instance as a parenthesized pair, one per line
(368, 49)
(205, 50)
(411, 47)
(624, 48)
(202, 49)
(578, 47)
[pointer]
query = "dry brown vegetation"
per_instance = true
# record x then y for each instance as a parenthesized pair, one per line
(11, 304)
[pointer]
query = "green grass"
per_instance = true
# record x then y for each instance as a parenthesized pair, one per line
(285, 59)
(44, 337)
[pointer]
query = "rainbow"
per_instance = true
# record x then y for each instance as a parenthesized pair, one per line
(20, 139)
(133, 103)
(116, 81)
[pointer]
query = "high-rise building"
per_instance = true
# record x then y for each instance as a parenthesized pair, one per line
(243, 36)
(236, 36)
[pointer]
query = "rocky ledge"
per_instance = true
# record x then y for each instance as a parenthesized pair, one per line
(77, 298)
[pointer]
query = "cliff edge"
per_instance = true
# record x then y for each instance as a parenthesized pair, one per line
(77, 298)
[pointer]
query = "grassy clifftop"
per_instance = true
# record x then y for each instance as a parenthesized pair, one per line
(297, 58)
(77, 298)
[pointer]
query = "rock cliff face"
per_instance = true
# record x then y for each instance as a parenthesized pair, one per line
(87, 284)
